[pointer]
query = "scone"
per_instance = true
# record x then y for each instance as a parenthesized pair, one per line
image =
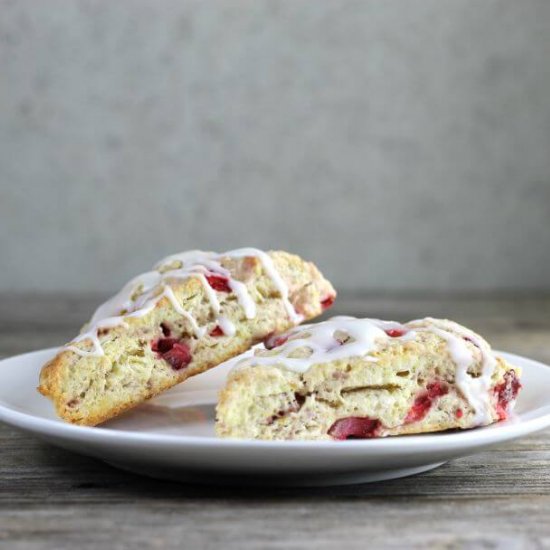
(350, 378)
(192, 312)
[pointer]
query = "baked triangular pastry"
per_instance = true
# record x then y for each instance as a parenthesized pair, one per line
(192, 312)
(350, 378)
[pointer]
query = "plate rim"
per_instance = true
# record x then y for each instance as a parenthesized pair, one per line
(485, 435)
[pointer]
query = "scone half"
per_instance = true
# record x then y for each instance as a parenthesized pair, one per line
(193, 311)
(350, 378)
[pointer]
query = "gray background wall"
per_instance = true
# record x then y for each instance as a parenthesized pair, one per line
(403, 145)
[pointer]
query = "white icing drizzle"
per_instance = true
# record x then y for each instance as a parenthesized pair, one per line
(324, 341)
(108, 322)
(169, 293)
(226, 325)
(276, 279)
(140, 295)
(123, 300)
(249, 305)
(475, 390)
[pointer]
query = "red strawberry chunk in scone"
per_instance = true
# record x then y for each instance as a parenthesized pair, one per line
(162, 345)
(179, 356)
(355, 427)
(395, 332)
(328, 301)
(506, 392)
(275, 341)
(217, 331)
(423, 403)
(218, 282)
(176, 353)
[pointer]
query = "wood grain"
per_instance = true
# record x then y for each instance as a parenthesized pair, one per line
(50, 498)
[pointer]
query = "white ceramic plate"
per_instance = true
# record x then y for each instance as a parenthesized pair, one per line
(173, 437)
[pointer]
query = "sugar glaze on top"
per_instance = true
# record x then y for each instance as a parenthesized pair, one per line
(140, 295)
(345, 337)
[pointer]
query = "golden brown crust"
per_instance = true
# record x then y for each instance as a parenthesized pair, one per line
(90, 390)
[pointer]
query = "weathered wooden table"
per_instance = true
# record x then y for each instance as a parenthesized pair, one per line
(50, 498)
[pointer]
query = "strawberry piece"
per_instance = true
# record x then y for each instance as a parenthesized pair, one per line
(395, 332)
(355, 427)
(436, 389)
(218, 282)
(174, 352)
(327, 302)
(217, 331)
(459, 413)
(275, 341)
(505, 392)
(423, 403)
(162, 345)
(419, 409)
(179, 356)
